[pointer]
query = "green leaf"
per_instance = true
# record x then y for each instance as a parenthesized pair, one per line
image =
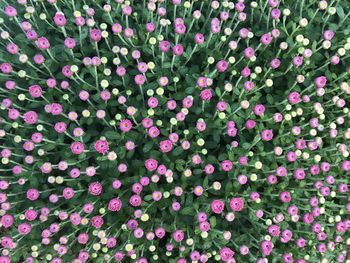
(112, 135)
(212, 221)
(177, 151)
(205, 182)
(340, 12)
(246, 145)
(269, 98)
(218, 91)
(188, 211)
(148, 146)
(148, 198)
(189, 90)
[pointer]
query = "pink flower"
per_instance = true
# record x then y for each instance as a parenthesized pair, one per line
(151, 164)
(83, 238)
(246, 72)
(135, 200)
(217, 206)
(285, 197)
(101, 146)
(153, 132)
(111, 242)
(32, 194)
(150, 27)
(127, 10)
(80, 21)
(275, 63)
(320, 82)
(273, 3)
(180, 29)
(249, 52)
(125, 125)
(187, 102)
(59, 19)
(5, 259)
(6, 68)
(115, 205)
(266, 247)
(274, 230)
(267, 135)
(68, 193)
(236, 204)
(204, 226)
(226, 254)
(178, 235)
(24, 228)
(275, 14)
(308, 218)
(95, 188)
(77, 147)
(222, 65)
(152, 102)
(69, 43)
(30, 117)
(7, 220)
(160, 232)
(199, 38)
(95, 35)
(286, 236)
(60, 127)
(294, 97)
(12, 48)
(43, 43)
(35, 91)
(206, 95)
(13, 114)
(202, 82)
(226, 165)
(259, 110)
(328, 35)
(178, 50)
(10, 11)
(157, 195)
(299, 174)
(266, 39)
(164, 45)
(10, 84)
(221, 105)
(166, 146)
(56, 109)
(139, 79)
(250, 124)
(297, 61)
(97, 221)
(118, 256)
(66, 71)
(128, 32)
(117, 28)
(31, 35)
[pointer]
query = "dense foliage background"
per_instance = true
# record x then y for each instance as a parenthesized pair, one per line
(174, 131)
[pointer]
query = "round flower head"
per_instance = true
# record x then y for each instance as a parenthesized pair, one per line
(95, 188)
(101, 146)
(217, 206)
(236, 204)
(77, 148)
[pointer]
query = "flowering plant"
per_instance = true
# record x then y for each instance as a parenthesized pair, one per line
(174, 131)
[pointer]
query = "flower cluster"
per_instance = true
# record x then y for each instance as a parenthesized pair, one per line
(174, 131)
